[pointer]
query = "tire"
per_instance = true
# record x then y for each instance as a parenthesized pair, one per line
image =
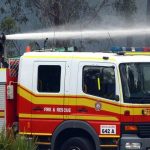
(77, 143)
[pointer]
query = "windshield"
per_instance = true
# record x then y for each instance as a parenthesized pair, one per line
(135, 79)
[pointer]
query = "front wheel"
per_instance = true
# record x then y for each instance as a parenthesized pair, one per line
(77, 143)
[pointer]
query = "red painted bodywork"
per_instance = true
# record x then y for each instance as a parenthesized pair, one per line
(11, 105)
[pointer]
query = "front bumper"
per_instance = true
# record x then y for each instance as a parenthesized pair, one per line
(131, 138)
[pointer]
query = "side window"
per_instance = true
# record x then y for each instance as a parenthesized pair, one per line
(99, 81)
(49, 78)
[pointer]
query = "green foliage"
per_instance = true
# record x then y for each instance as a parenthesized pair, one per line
(8, 25)
(9, 142)
(21, 143)
(16, 10)
(6, 139)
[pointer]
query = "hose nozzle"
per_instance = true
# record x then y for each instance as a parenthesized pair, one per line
(2, 41)
(2, 38)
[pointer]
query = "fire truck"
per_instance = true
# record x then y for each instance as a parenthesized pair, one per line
(79, 100)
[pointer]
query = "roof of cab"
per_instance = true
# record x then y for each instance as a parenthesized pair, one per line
(93, 56)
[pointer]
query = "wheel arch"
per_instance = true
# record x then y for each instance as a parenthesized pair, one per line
(72, 124)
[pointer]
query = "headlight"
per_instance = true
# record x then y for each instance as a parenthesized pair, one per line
(133, 146)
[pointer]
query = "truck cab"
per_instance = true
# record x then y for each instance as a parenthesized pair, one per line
(85, 100)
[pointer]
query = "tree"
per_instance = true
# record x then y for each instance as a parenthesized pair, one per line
(15, 9)
(66, 10)
(53, 13)
(147, 41)
(13, 16)
(126, 8)
(8, 25)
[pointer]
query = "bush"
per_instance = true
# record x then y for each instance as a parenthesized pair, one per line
(9, 142)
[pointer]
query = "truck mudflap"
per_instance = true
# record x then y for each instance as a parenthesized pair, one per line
(133, 142)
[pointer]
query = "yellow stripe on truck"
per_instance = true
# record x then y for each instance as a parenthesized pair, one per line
(40, 100)
(72, 57)
(102, 118)
(75, 117)
(87, 101)
(2, 69)
(2, 114)
(81, 101)
(29, 133)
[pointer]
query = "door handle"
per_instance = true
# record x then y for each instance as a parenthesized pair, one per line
(82, 110)
(37, 108)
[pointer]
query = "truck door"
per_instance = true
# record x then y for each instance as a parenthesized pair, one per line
(98, 97)
(48, 97)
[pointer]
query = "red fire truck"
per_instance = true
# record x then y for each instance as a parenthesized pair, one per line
(79, 100)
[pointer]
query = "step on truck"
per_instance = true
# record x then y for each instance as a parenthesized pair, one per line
(79, 100)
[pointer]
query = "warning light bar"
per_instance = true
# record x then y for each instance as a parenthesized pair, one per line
(130, 49)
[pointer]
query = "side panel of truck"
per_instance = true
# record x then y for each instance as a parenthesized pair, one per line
(8, 99)
(47, 97)
(95, 103)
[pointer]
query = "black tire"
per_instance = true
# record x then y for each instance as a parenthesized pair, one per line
(77, 143)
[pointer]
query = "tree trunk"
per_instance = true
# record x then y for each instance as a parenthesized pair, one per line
(128, 21)
(147, 38)
(57, 13)
(56, 20)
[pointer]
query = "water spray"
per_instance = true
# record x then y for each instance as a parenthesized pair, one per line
(86, 34)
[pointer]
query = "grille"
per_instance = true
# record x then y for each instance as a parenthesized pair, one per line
(144, 130)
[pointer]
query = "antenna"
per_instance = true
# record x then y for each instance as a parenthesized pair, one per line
(54, 41)
(45, 42)
(2, 38)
